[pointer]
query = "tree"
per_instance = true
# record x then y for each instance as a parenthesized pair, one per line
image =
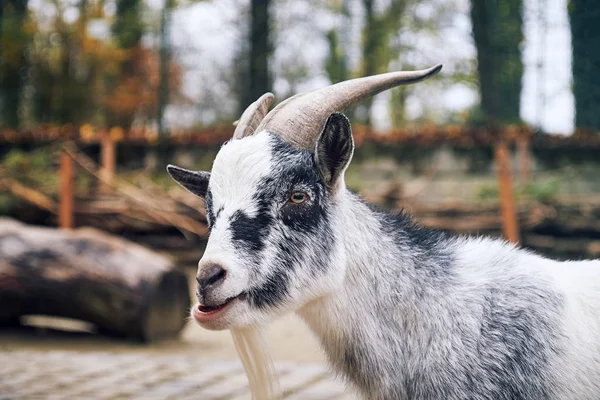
(127, 31)
(258, 77)
(336, 64)
(14, 41)
(64, 69)
(337, 61)
(585, 39)
(376, 51)
(128, 27)
(497, 30)
(165, 61)
(165, 68)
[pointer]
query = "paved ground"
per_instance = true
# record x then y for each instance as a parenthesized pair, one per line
(26, 374)
(58, 359)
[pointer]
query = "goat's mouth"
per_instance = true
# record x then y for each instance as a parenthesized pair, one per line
(203, 313)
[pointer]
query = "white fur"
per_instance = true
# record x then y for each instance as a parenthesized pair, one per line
(236, 171)
(479, 261)
(373, 292)
(252, 349)
(238, 167)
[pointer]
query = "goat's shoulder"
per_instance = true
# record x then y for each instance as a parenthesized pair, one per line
(407, 231)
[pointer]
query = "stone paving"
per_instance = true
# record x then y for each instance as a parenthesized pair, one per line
(55, 375)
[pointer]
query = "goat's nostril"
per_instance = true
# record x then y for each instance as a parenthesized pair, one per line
(210, 276)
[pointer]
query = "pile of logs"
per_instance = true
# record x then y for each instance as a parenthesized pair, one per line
(124, 207)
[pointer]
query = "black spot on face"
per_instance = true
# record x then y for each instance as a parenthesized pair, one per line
(309, 215)
(274, 290)
(250, 233)
(298, 225)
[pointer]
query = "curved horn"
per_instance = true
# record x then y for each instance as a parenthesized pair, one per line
(299, 119)
(252, 116)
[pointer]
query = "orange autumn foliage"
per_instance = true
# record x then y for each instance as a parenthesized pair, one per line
(136, 94)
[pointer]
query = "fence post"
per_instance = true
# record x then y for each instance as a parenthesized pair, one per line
(507, 201)
(108, 162)
(524, 159)
(66, 172)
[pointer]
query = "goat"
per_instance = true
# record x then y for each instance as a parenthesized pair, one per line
(401, 311)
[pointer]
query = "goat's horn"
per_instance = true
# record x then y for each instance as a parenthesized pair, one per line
(252, 116)
(299, 119)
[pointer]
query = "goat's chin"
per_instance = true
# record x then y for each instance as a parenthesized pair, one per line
(221, 320)
(238, 314)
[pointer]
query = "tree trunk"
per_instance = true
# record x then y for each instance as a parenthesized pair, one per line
(127, 28)
(585, 39)
(258, 80)
(127, 31)
(377, 51)
(122, 288)
(335, 65)
(371, 37)
(497, 30)
(12, 59)
(165, 63)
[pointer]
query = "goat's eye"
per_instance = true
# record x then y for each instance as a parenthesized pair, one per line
(298, 197)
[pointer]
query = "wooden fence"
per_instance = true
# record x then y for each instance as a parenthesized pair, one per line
(108, 168)
(518, 137)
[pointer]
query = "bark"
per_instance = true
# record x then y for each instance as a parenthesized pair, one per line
(497, 30)
(371, 37)
(12, 62)
(127, 31)
(585, 39)
(165, 63)
(128, 28)
(377, 51)
(258, 79)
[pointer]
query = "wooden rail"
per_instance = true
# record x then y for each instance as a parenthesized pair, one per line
(426, 136)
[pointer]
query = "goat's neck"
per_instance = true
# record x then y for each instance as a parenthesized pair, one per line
(376, 296)
(373, 257)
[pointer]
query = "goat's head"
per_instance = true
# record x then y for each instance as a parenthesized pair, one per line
(272, 200)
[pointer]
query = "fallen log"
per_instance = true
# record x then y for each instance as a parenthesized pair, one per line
(122, 288)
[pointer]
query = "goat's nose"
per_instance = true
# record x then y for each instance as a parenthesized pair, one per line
(212, 275)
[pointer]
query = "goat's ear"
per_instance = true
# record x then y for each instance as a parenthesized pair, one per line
(195, 182)
(334, 149)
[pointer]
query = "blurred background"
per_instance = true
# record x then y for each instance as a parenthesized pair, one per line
(97, 96)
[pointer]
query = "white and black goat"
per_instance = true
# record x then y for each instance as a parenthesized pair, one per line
(401, 311)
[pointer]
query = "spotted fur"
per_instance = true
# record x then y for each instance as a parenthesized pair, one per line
(401, 311)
